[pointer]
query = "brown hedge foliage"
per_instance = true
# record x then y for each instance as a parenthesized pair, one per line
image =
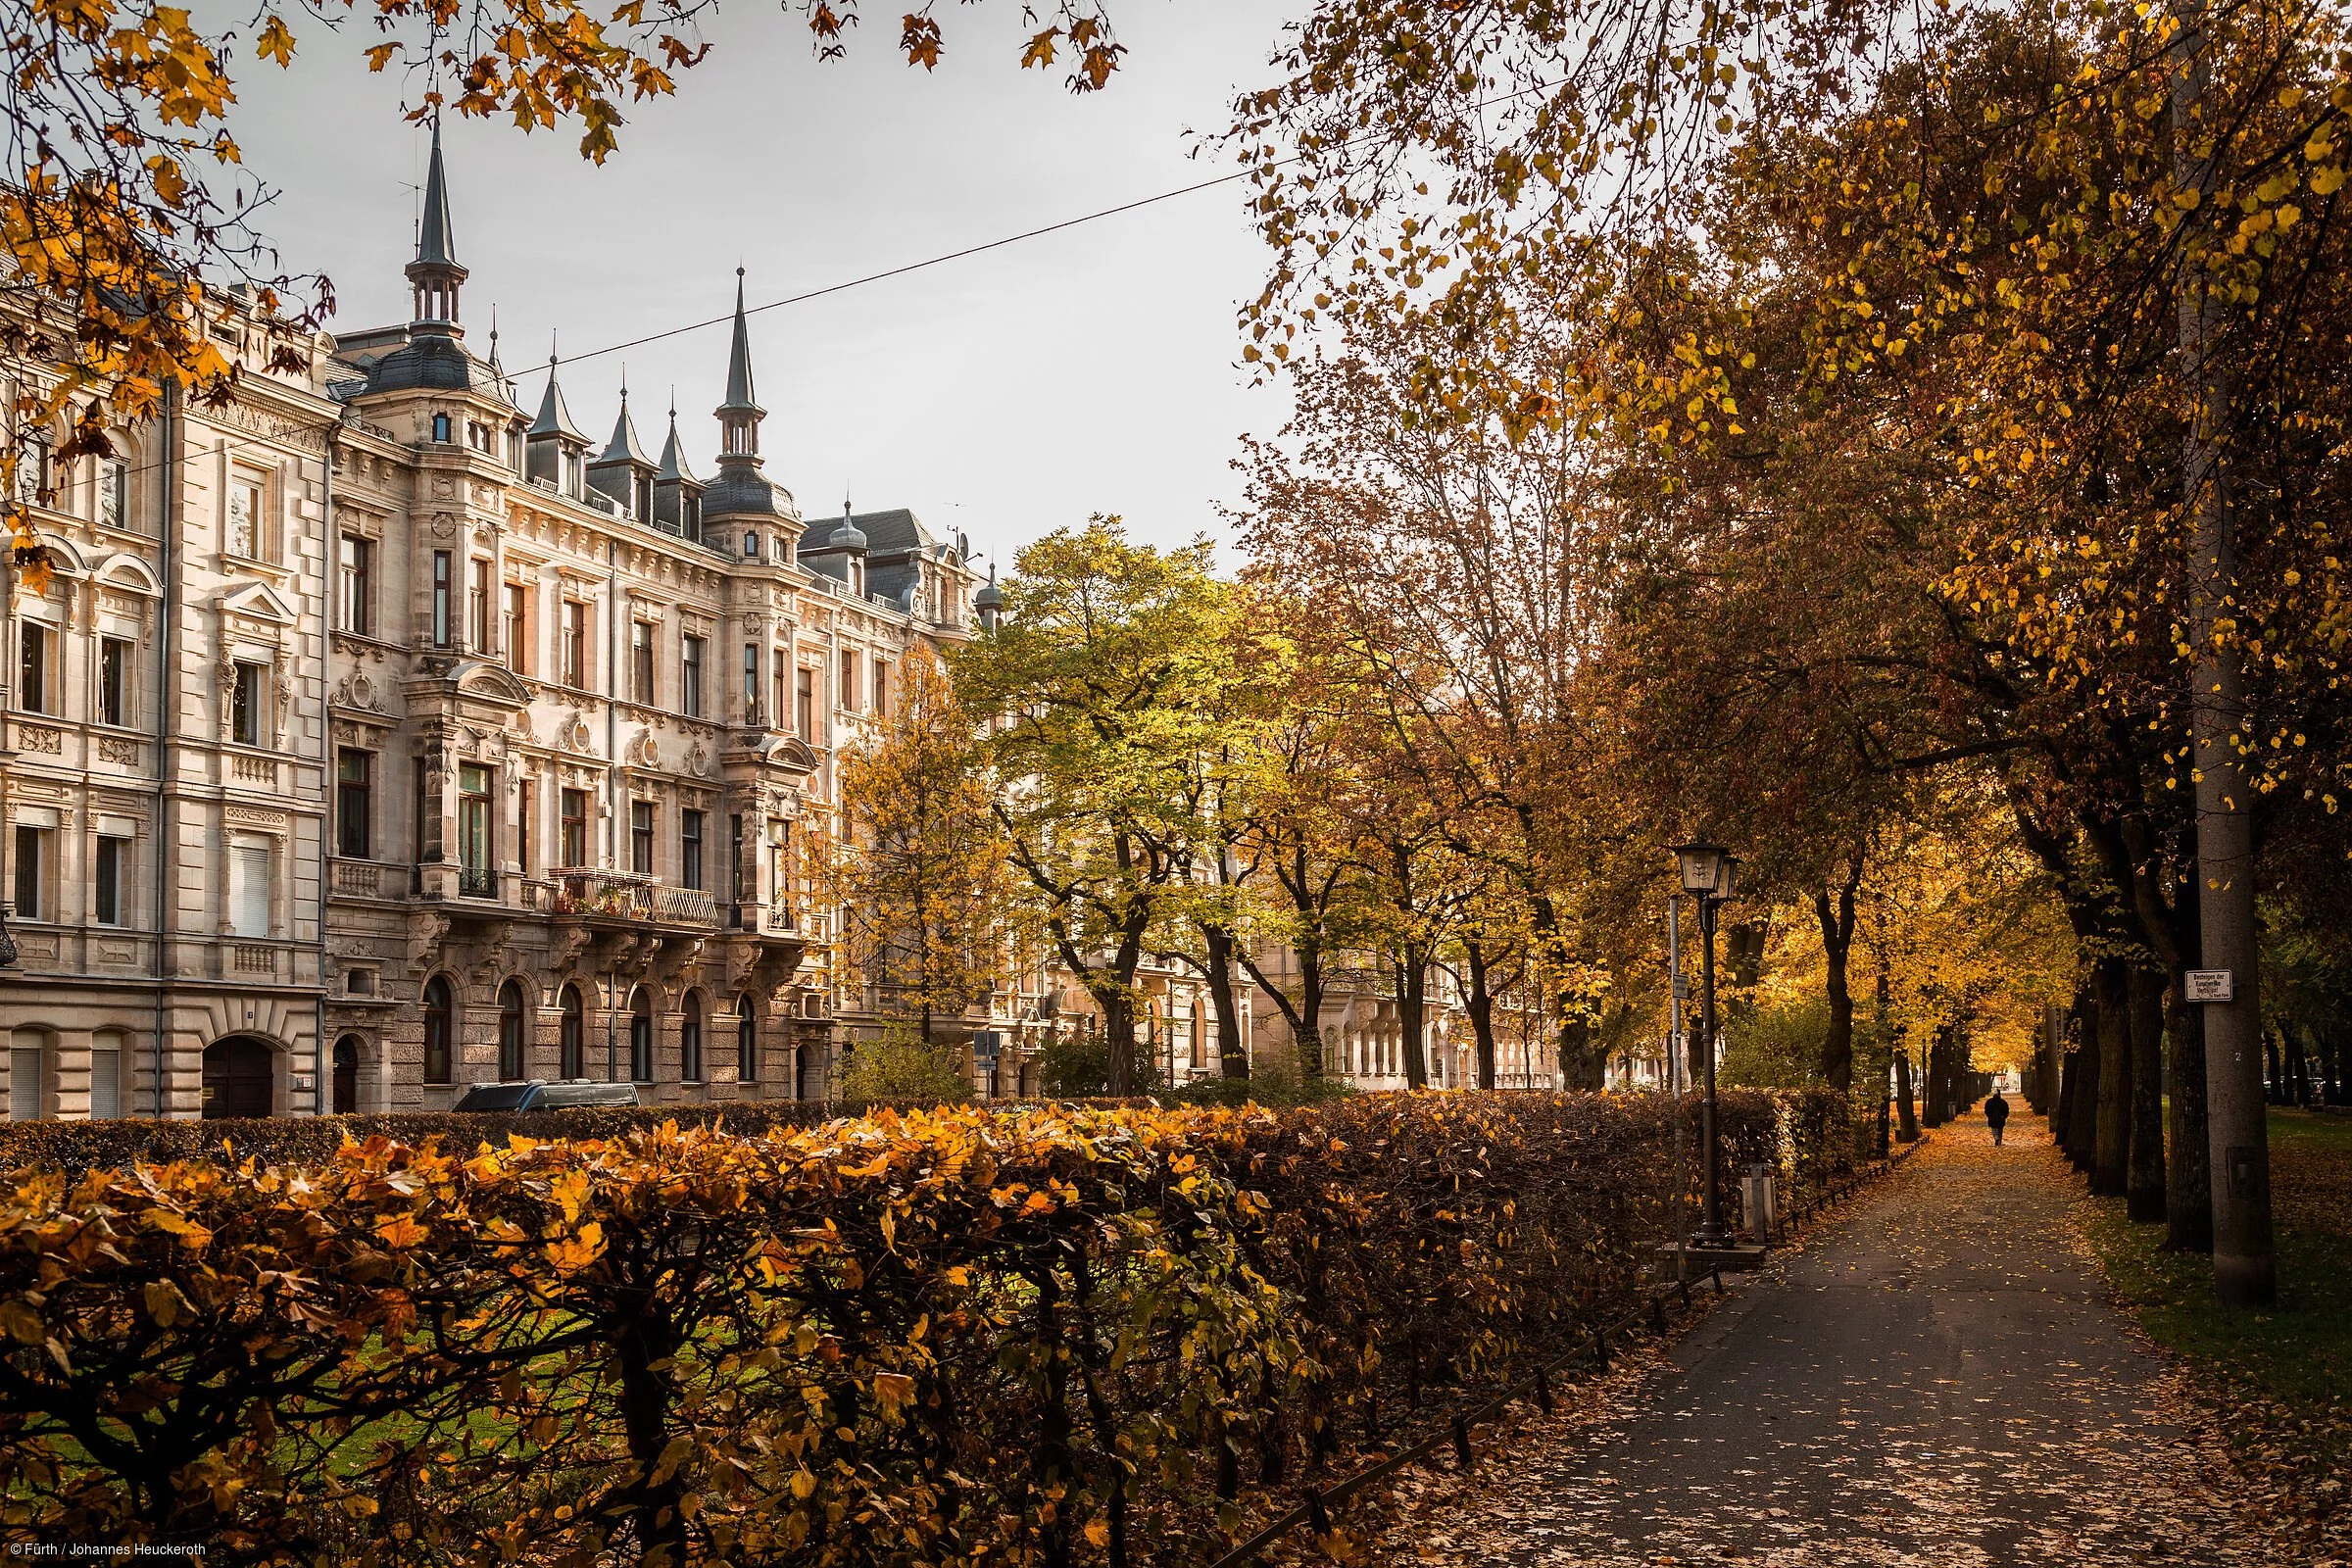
(1031, 1339)
(75, 1147)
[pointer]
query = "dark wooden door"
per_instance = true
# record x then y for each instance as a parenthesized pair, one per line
(237, 1078)
(347, 1076)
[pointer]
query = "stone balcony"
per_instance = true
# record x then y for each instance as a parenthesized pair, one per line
(628, 897)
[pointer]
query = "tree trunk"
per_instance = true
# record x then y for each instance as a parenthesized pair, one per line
(1118, 1033)
(1906, 1116)
(2111, 1158)
(2245, 1264)
(1931, 1110)
(1581, 1063)
(1836, 943)
(2064, 1104)
(1481, 1006)
(2144, 1175)
(2082, 1126)
(1233, 1057)
(1412, 989)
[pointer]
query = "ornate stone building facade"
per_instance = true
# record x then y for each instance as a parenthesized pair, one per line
(380, 736)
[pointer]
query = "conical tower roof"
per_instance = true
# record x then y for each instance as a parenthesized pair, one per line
(554, 418)
(740, 397)
(674, 452)
(434, 242)
(624, 447)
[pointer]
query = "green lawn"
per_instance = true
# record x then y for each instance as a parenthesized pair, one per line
(2285, 1375)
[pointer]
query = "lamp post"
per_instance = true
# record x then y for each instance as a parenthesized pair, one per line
(1709, 875)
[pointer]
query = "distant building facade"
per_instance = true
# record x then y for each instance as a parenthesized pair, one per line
(378, 736)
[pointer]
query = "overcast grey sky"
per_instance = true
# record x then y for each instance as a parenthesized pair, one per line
(1003, 395)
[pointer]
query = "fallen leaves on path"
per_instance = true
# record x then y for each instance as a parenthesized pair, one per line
(1938, 1378)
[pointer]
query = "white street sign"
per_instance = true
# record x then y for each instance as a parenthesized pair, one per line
(2210, 985)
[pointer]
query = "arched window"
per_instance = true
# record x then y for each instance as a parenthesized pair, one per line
(509, 1031)
(573, 1038)
(690, 1039)
(641, 1037)
(436, 1031)
(747, 1041)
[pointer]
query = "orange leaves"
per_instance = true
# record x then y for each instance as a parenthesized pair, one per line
(918, 40)
(277, 42)
(1040, 51)
(399, 1230)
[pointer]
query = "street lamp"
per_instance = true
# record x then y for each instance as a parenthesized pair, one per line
(1710, 874)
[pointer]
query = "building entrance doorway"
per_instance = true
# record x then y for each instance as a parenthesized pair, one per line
(346, 1075)
(239, 1074)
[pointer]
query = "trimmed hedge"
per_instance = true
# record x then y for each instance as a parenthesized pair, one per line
(1034, 1338)
(75, 1147)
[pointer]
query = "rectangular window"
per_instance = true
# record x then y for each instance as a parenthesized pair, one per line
(518, 629)
(514, 450)
(575, 644)
(27, 1095)
(690, 848)
(689, 677)
(523, 827)
(33, 668)
(479, 604)
(477, 843)
(751, 681)
(114, 680)
(641, 837)
(641, 661)
(881, 689)
(478, 435)
(846, 695)
(353, 802)
(358, 589)
(33, 472)
(249, 889)
(106, 1079)
(245, 698)
(807, 699)
(735, 867)
(442, 586)
(245, 533)
(424, 807)
(575, 827)
(777, 681)
(114, 491)
(33, 854)
(106, 887)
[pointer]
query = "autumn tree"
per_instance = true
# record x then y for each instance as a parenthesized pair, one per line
(1099, 690)
(916, 864)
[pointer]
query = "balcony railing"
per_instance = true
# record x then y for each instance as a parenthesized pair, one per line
(631, 896)
(477, 882)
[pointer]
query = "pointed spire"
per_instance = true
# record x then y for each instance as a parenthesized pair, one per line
(674, 452)
(739, 417)
(436, 273)
(554, 418)
(624, 446)
(433, 239)
(739, 362)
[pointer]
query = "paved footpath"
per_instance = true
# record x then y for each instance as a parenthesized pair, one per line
(1935, 1378)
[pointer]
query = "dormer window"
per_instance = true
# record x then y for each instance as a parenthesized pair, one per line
(571, 474)
(514, 450)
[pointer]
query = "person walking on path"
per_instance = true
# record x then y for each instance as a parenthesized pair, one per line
(1996, 1116)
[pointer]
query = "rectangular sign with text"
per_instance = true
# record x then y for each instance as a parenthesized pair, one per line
(2210, 985)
